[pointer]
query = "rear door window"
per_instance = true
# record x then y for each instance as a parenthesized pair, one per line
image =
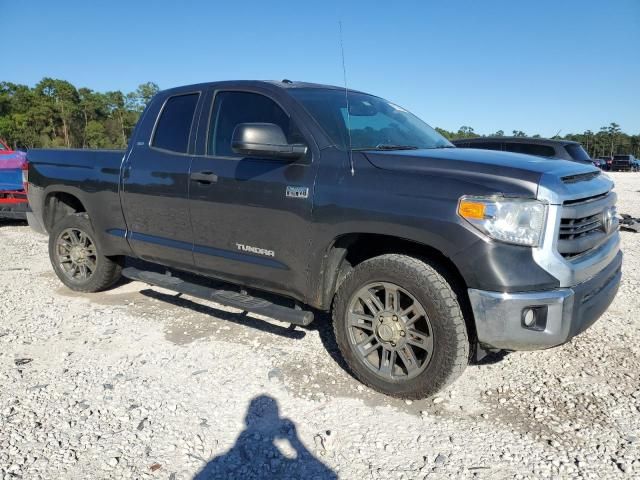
(174, 125)
(530, 149)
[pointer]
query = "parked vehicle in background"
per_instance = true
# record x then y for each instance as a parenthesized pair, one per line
(624, 163)
(427, 254)
(608, 159)
(540, 147)
(13, 198)
(600, 163)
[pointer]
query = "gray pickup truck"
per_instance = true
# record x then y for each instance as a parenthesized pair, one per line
(427, 255)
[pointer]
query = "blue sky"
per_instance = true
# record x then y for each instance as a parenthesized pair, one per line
(534, 65)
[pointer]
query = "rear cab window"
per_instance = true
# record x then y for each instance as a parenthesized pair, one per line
(530, 149)
(174, 124)
(486, 145)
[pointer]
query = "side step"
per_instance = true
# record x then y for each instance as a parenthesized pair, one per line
(223, 297)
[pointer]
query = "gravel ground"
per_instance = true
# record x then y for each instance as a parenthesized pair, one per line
(137, 383)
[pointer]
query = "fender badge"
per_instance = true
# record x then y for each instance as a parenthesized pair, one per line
(297, 192)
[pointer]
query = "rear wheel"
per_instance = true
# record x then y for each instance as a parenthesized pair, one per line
(76, 257)
(400, 327)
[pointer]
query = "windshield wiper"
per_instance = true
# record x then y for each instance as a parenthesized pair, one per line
(388, 146)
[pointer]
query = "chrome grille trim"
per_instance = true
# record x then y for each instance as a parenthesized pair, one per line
(582, 225)
(574, 201)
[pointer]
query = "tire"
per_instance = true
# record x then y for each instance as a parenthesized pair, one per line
(76, 256)
(440, 327)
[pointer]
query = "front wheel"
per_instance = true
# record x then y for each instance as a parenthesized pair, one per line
(400, 327)
(76, 257)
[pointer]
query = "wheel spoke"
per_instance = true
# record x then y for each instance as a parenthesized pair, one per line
(368, 345)
(372, 302)
(91, 265)
(391, 298)
(387, 362)
(75, 239)
(411, 314)
(418, 339)
(83, 271)
(371, 348)
(408, 358)
(360, 320)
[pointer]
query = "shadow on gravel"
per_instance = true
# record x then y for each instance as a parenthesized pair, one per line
(238, 318)
(256, 455)
(11, 222)
(492, 358)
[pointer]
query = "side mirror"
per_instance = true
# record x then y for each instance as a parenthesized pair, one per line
(264, 140)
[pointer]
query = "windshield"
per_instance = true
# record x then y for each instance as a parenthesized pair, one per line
(577, 152)
(374, 122)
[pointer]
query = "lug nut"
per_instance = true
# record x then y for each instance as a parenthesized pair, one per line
(402, 334)
(395, 318)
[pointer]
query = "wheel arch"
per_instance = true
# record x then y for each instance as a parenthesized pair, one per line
(58, 204)
(347, 251)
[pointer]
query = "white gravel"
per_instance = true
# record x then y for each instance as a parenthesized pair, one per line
(135, 383)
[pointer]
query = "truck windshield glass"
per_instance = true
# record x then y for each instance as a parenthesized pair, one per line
(376, 124)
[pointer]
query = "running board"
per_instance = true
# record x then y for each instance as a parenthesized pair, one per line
(223, 297)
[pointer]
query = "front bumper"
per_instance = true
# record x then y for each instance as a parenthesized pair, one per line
(560, 314)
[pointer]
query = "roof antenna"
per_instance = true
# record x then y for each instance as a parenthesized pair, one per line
(346, 97)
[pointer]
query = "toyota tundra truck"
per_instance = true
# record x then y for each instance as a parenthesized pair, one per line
(427, 255)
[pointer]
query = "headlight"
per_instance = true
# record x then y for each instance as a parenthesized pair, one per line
(511, 220)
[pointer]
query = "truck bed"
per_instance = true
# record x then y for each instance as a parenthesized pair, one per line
(91, 176)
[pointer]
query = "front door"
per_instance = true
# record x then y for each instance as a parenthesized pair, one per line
(251, 216)
(156, 187)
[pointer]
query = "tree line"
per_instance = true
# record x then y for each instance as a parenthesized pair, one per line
(55, 113)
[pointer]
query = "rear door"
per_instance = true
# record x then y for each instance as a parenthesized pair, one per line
(156, 183)
(252, 218)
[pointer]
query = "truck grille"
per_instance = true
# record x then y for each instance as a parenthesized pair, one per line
(586, 224)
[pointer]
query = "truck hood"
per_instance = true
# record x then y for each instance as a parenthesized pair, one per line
(504, 172)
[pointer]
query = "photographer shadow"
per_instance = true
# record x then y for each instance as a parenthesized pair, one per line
(255, 454)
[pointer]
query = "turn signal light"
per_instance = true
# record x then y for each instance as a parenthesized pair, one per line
(25, 176)
(471, 210)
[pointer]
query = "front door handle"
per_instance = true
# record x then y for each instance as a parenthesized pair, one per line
(204, 177)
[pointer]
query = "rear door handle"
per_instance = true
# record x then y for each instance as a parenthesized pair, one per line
(204, 177)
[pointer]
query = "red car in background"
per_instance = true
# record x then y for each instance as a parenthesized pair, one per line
(13, 197)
